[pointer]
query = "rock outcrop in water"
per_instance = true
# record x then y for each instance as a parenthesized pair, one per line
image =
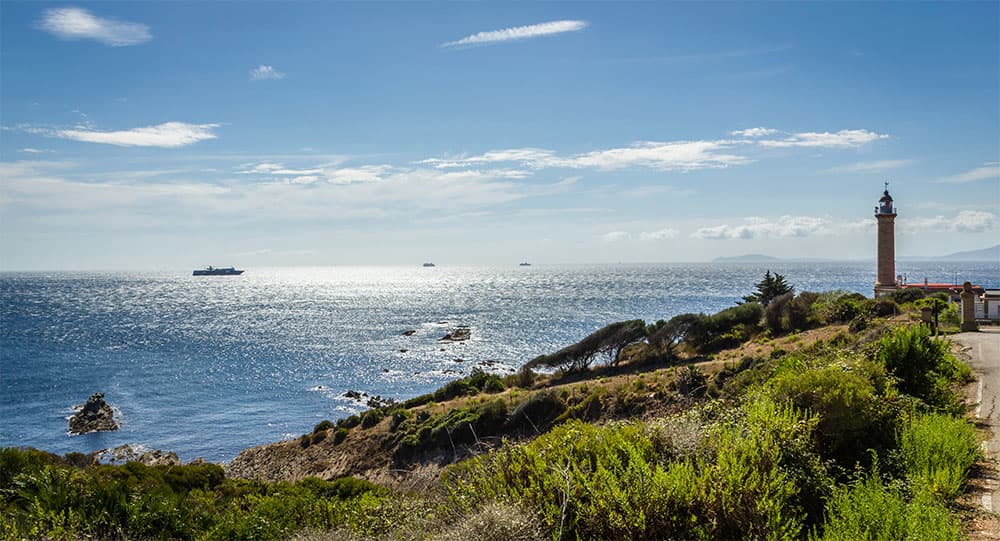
(459, 334)
(95, 416)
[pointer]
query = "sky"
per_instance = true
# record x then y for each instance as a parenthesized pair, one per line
(172, 135)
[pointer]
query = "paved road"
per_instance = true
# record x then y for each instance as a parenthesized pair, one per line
(984, 358)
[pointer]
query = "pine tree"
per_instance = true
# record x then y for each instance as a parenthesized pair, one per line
(770, 287)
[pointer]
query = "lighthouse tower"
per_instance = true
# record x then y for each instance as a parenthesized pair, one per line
(885, 277)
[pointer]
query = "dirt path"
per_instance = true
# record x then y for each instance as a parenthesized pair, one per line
(982, 350)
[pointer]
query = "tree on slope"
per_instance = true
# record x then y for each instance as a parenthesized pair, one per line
(773, 285)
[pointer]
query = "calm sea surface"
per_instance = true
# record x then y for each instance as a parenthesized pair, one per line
(207, 366)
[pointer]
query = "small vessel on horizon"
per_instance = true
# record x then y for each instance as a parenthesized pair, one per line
(222, 271)
(428, 264)
(524, 264)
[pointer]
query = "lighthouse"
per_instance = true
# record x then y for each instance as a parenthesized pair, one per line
(885, 277)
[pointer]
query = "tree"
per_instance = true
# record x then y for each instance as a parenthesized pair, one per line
(609, 340)
(773, 285)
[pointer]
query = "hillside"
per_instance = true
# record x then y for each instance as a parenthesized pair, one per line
(819, 416)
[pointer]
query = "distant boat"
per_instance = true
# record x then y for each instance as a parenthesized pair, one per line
(525, 264)
(429, 265)
(212, 271)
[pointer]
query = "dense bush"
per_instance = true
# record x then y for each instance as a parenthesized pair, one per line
(840, 306)
(727, 328)
(910, 294)
(43, 497)
(745, 480)
(853, 415)
(938, 451)
(923, 366)
(869, 510)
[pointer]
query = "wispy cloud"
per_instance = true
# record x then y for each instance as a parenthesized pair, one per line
(660, 234)
(754, 132)
(76, 23)
(757, 227)
(664, 156)
(840, 139)
(870, 167)
(986, 172)
(32, 151)
(669, 155)
(614, 236)
(263, 73)
(166, 135)
(519, 33)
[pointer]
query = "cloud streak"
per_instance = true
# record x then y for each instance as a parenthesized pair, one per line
(870, 167)
(840, 139)
(166, 135)
(516, 33)
(986, 172)
(76, 23)
(265, 73)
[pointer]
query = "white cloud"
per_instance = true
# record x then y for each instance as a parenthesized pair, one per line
(840, 139)
(670, 156)
(870, 167)
(986, 172)
(267, 168)
(528, 156)
(966, 221)
(757, 227)
(519, 33)
(754, 132)
(77, 23)
(614, 236)
(166, 135)
(350, 175)
(263, 73)
(661, 234)
(31, 151)
(663, 156)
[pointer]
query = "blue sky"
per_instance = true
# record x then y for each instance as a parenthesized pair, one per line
(173, 135)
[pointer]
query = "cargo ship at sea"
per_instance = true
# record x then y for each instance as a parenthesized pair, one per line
(223, 271)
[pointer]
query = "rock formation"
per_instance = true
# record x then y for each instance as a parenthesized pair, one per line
(460, 334)
(95, 416)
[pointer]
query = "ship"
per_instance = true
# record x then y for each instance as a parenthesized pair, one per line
(212, 271)
(525, 264)
(429, 265)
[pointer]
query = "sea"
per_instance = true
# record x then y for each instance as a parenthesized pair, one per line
(208, 366)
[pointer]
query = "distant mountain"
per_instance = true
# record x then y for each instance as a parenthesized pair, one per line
(986, 254)
(748, 258)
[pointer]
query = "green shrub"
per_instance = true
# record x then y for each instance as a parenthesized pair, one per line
(318, 437)
(339, 435)
(853, 416)
(609, 340)
(907, 295)
(322, 425)
(869, 510)
(923, 366)
(938, 451)
(884, 307)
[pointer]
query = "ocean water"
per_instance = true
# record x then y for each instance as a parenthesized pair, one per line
(207, 366)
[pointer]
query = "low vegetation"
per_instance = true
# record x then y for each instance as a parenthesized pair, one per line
(821, 434)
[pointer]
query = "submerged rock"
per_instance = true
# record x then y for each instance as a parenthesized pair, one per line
(95, 416)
